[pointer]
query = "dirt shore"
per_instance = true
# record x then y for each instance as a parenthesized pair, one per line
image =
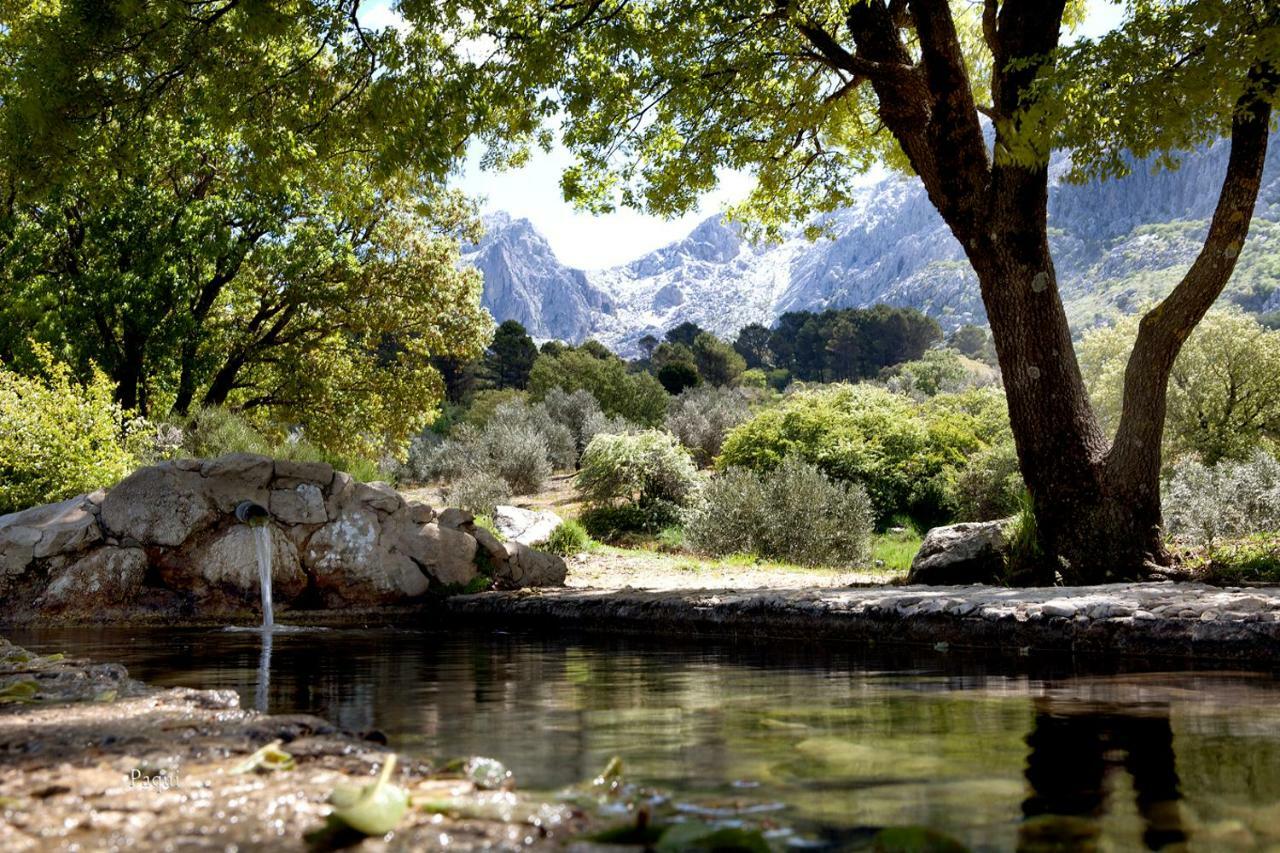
(93, 760)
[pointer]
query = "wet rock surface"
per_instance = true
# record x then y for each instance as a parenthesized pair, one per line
(165, 544)
(91, 759)
(1151, 619)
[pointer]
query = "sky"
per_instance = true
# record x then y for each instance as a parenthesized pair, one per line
(589, 241)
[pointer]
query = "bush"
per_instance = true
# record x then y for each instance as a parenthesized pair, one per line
(990, 486)
(516, 452)
(792, 513)
(216, 431)
(610, 523)
(58, 437)
(1251, 559)
(569, 538)
(701, 417)
(907, 456)
(637, 468)
(1204, 503)
(478, 492)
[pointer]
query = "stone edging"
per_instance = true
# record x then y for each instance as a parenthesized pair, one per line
(1180, 620)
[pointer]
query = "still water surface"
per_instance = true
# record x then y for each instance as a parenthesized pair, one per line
(830, 743)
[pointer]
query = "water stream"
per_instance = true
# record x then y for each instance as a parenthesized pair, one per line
(262, 546)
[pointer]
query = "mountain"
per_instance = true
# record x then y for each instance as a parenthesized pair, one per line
(1117, 245)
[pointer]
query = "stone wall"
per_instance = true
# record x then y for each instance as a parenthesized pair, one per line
(166, 542)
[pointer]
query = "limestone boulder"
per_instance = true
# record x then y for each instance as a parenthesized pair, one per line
(226, 564)
(161, 505)
(455, 518)
(527, 566)
(378, 496)
(105, 577)
(526, 526)
(300, 504)
(52, 530)
(354, 561)
(290, 474)
(448, 556)
(237, 477)
(972, 552)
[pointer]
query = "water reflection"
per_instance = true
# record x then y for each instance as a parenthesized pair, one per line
(997, 754)
(1075, 747)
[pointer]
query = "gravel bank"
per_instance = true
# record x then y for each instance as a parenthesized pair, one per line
(1150, 619)
(93, 760)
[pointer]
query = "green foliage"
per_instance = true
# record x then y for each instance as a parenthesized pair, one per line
(478, 492)
(718, 363)
(510, 356)
(792, 513)
(850, 343)
(701, 417)
(639, 469)
(684, 334)
(678, 376)
(1023, 557)
(906, 456)
(59, 437)
(614, 523)
(484, 403)
(752, 344)
(990, 486)
(1224, 391)
(569, 538)
(637, 397)
(1250, 559)
(936, 372)
(1205, 503)
(894, 550)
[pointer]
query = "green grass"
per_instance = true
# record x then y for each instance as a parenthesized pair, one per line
(1252, 559)
(894, 551)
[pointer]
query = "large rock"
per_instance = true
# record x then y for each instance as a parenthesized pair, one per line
(291, 474)
(961, 553)
(525, 525)
(106, 577)
(446, 554)
(301, 504)
(62, 528)
(227, 563)
(355, 561)
(526, 566)
(161, 505)
(237, 477)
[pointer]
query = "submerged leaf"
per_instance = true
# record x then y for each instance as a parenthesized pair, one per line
(915, 839)
(372, 809)
(19, 691)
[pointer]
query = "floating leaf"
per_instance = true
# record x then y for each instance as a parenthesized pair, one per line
(611, 773)
(372, 809)
(270, 757)
(19, 691)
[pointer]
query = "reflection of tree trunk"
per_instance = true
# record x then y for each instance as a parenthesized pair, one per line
(1071, 755)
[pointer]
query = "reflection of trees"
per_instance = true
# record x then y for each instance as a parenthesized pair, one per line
(1075, 746)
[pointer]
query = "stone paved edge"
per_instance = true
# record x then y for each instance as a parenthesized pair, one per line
(1181, 620)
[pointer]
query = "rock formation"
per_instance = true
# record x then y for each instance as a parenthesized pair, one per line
(165, 542)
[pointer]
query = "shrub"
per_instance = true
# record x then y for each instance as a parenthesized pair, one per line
(1203, 503)
(478, 492)
(638, 468)
(484, 404)
(518, 453)
(907, 456)
(701, 417)
(569, 538)
(792, 513)
(59, 437)
(1024, 560)
(610, 523)
(990, 486)
(216, 431)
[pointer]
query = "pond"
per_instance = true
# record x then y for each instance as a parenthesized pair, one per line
(824, 744)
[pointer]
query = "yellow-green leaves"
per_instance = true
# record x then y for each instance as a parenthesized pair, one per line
(266, 760)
